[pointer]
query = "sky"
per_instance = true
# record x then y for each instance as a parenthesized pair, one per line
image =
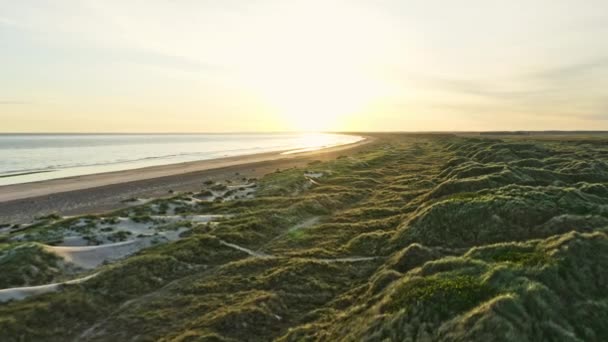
(290, 65)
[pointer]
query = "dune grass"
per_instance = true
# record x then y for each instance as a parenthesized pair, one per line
(415, 237)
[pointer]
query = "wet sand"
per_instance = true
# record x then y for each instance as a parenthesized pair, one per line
(91, 194)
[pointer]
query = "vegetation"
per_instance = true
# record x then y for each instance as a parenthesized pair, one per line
(413, 237)
(26, 264)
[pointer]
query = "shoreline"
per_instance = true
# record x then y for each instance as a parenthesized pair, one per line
(95, 193)
(64, 157)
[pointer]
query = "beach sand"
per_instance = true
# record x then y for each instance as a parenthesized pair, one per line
(97, 193)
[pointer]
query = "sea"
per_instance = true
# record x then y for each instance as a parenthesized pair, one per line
(28, 158)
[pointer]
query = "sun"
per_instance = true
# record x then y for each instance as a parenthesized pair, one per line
(316, 97)
(312, 69)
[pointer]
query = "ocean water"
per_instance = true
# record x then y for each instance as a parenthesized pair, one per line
(35, 157)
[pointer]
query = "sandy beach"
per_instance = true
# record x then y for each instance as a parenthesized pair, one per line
(102, 192)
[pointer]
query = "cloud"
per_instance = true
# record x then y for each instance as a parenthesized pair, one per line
(6, 22)
(13, 102)
(572, 70)
(576, 90)
(490, 89)
(153, 58)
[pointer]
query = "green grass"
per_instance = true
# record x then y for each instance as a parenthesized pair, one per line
(448, 295)
(27, 264)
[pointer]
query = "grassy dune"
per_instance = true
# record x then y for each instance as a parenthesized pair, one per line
(416, 237)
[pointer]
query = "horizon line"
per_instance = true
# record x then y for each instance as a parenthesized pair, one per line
(304, 132)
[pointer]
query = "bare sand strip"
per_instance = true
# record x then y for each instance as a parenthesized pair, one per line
(89, 257)
(18, 293)
(34, 189)
(269, 256)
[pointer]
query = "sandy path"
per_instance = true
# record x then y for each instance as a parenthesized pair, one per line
(328, 260)
(246, 250)
(349, 259)
(17, 293)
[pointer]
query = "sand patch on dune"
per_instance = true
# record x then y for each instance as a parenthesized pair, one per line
(313, 175)
(123, 228)
(89, 257)
(75, 250)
